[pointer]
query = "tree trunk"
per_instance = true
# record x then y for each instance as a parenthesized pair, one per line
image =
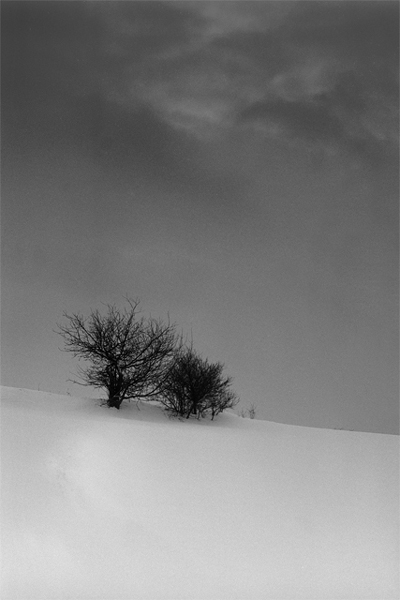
(114, 401)
(114, 390)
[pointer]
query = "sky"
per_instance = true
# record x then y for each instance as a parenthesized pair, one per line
(234, 165)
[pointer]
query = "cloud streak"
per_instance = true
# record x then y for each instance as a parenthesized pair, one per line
(321, 74)
(325, 75)
(338, 88)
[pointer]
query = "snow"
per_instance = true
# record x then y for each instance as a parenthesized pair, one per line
(131, 504)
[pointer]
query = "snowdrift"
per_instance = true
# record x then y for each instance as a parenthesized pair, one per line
(130, 504)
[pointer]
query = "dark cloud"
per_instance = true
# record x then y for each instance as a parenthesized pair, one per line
(311, 121)
(53, 52)
(322, 73)
(352, 30)
(137, 142)
(71, 74)
(48, 49)
(336, 121)
(147, 28)
(338, 83)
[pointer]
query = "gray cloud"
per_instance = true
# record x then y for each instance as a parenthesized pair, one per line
(319, 73)
(76, 75)
(338, 87)
(303, 120)
(352, 30)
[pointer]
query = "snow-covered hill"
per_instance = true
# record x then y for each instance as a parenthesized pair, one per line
(108, 505)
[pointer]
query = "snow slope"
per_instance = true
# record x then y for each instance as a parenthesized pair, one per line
(108, 505)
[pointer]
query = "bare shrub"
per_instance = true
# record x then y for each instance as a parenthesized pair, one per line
(248, 413)
(193, 386)
(129, 356)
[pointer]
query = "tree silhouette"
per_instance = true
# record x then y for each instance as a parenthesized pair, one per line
(193, 386)
(129, 356)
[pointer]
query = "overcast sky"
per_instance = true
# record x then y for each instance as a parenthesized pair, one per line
(233, 164)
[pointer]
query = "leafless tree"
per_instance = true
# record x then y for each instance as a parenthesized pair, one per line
(129, 355)
(193, 386)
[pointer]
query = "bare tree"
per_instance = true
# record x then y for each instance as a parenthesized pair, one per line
(129, 356)
(193, 386)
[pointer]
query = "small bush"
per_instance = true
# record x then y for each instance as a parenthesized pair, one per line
(193, 386)
(248, 413)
